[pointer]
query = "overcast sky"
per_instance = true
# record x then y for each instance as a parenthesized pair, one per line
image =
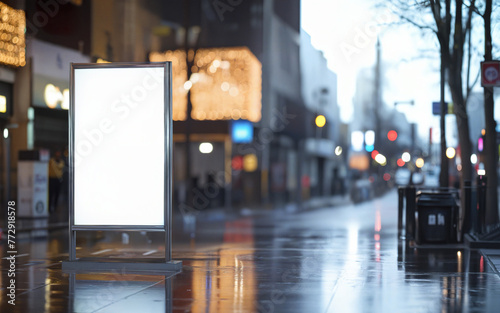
(347, 31)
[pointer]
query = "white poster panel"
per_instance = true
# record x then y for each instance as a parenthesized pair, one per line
(119, 145)
(33, 188)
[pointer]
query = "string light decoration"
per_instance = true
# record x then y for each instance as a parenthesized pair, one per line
(226, 84)
(12, 39)
(179, 78)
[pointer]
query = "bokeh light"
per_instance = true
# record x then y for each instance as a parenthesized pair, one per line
(392, 135)
(338, 150)
(473, 158)
(450, 153)
(206, 147)
(406, 157)
(419, 163)
(387, 176)
(320, 121)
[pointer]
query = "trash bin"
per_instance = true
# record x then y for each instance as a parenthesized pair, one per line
(437, 213)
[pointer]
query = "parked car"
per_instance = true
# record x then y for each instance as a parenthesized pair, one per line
(402, 176)
(361, 190)
(417, 178)
(432, 176)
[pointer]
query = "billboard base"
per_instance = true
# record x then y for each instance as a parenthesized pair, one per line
(122, 266)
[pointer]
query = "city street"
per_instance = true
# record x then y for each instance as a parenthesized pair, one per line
(345, 258)
(249, 156)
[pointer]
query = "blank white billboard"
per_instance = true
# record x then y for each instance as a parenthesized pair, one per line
(119, 145)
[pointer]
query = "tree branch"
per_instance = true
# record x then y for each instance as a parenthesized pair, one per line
(469, 88)
(468, 25)
(427, 27)
(436, 12)
(475, 9)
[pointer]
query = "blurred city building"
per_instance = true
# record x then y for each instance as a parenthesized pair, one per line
(379, 135)
(325, 168)
(254, 83)
(366, 113)
(280, 172)
(259, 99)
(12, 92)
(49, 36)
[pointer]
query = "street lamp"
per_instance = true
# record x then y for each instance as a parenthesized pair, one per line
(450, 153)
(419, 163)
(406, 157)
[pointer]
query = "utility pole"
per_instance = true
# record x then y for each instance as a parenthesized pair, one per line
(187, 22)
(490, 146)
(378, 99)
(443, 173)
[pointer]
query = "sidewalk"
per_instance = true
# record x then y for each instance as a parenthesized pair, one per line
(323, 259)
(492, 257)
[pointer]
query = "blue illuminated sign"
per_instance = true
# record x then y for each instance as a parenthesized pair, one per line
(242, 131)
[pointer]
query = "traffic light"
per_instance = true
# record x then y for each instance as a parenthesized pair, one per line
(320, 121)
(392, 135)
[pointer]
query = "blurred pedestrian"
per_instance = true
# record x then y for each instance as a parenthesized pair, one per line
(64, 192)
(56, 168)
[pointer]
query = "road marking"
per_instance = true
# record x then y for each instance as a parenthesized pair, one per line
(150, 252)
(101, 251)
(17, 256)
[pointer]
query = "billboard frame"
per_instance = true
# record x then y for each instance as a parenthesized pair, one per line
(141, 264)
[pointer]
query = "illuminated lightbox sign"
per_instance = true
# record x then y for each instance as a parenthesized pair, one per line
(241, 131)
(120, 119)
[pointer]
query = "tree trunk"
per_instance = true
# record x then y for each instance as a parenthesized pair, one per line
(455, 83)
(443, 25)
(443, 174)
(490, 146)
(462, 120)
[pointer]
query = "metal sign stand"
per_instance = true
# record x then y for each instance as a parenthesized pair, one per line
(150, 265)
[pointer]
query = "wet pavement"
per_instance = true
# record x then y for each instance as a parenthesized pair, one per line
(345, 258)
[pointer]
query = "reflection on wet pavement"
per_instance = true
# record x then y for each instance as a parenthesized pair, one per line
(340, 259)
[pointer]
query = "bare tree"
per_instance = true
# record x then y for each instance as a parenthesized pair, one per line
(451, 28)
(490, 146)
(454, 54)
(452, 23)
(452, 39)
(411, 12)
(443, 25)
